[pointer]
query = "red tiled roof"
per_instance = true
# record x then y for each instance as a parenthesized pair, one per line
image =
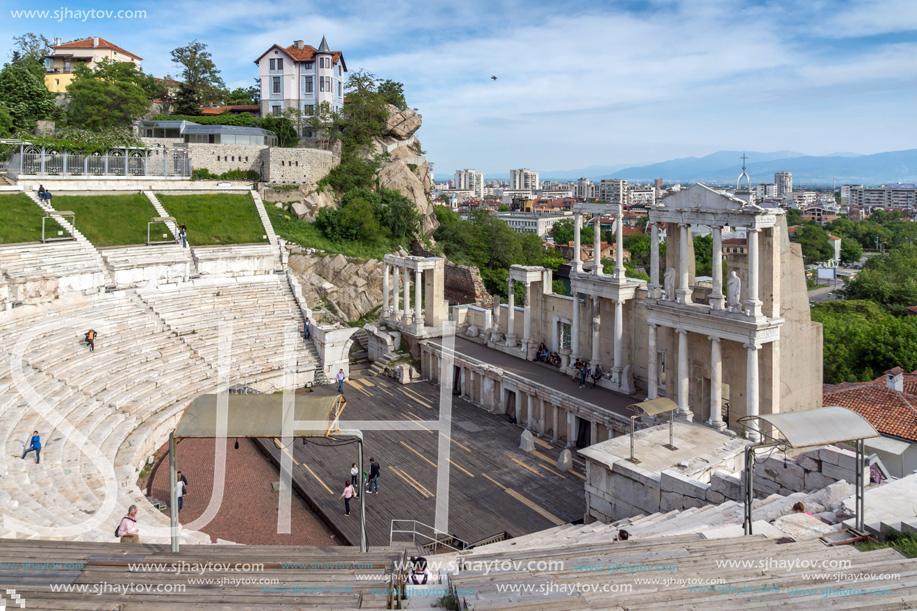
(306, 54)
(891, 412)
(221, 109)
(736, 241)
(88, 44)
(912, 309)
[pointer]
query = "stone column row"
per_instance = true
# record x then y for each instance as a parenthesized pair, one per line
(392, 306)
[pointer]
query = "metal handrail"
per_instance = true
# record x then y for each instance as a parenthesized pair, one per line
(415, 533)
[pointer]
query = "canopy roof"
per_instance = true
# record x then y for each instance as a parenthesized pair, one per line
(654, 407)
(260, 415)
(819, 427)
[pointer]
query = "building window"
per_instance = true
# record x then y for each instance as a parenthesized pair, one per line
(321, 84)
(309, 110)
(307, 84)
(246, 158)
(339, 89)
(275, 87)
(308, 66)
(275, 110)
(276, 64)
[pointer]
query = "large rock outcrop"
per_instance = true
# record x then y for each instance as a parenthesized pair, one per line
(406, 170)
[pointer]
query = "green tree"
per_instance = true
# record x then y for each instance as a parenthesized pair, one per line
(703, 255)
(243, 96)
(563, 231)
(889, 280)
(23, 92)
(201, 82)
(851, 252)
(283, 128)
(393, 93)
(816, 246)
(793, 216)
(6, 122)
(31, 46)
(326, 124)
(109, 96)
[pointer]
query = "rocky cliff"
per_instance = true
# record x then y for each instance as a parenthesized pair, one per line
(406, 170)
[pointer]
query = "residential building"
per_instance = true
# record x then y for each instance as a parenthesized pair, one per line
(804, 198)
(845, 192)
(613, 191)
(64, 58)
(902, 196)
(585, 188)
(641, 194)
(523, 178)
(766, 191)
(819, 213)
(856, 213)
(301, 77)
(533, 222)
(784, 182)
(887, 403)
(470, 180)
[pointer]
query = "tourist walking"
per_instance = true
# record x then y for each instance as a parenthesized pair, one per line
(374, 472)
(184, 488)
(583, 373)
(179, 490)
(307, 328)
(355, 478)
(347, 495)
(91, 340)
(128, 529)
(41, 192)
(34, 446)
(183, 235)
(340, 378)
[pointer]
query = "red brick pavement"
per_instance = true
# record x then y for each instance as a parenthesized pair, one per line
(248, 513)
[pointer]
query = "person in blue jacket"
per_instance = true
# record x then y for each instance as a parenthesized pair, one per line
(35, 446)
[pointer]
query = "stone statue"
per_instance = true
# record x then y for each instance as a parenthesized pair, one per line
(669, 284)
(733, 290)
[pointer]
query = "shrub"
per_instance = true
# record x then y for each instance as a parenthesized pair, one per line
(205, 174)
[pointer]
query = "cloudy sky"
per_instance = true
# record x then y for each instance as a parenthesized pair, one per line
(579, 83)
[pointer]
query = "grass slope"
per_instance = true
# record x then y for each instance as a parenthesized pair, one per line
(20, 220)
(216, 218)
(111, 220)
(307, 235)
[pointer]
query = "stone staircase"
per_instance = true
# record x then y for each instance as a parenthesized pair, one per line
(268, 228)
(74, 267)
(162, 212)
(362, 337)
(134, 265)
(79, 237)
(379, 365)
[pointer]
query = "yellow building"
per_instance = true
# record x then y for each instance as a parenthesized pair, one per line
(64, 59)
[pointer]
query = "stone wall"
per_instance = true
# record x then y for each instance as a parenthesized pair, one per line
(297, 165)
(221, 158)
(463, 285)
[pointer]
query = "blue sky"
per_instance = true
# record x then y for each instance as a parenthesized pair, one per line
(579, 83)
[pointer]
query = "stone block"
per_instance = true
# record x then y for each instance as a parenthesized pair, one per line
(838, 473)
(670, 501)
(846, 459)
(673, 481)
(792, 477)
(816, 481)
(715, 497)
(728, 485)
(765, 486)
(833, 495)
(634, 472)
(809, 461)
(527, 442)
(828, 454)
(690, 501)
(565, 461)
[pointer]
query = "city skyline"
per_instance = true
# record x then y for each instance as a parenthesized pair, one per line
(578, 84)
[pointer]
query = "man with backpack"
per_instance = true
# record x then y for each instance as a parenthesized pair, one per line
(128, 530)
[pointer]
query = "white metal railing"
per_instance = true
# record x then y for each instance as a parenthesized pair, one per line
(40, 161)
(427, 534)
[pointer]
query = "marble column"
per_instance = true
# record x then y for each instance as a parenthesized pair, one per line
(683, 292)
(652, 366)
(407, 296)
(530, 416)
(716, 297)
(527, 316)
(571, 429)
(751, 393)
(619, 340)
(593, 432)
(396, 310)
(554, 432)
(577, 230)
(418, 310)
(597, 245)
(620, 272)
(517, 414)
(716, 385)
(596, 327)
(385, 296)
(752, 304)
(574, 330)
(511, 315)
(654, 287)
(684, 408)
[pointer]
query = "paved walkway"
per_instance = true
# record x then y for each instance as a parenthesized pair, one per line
(248, 512)
(548, 376)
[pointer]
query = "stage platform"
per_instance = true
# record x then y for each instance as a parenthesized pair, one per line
(494, 486)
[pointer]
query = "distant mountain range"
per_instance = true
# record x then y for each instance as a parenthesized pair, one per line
(725, 166)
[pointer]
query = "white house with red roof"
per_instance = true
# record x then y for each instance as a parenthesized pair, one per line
(64, 59)
(301, 76)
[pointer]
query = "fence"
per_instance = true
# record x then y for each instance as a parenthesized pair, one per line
(39, 161)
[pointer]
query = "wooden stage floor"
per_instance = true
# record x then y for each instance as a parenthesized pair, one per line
(494, 486)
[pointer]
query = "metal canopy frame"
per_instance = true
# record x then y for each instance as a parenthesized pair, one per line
(653, 407)
(812, 428)
(260, 416)
(159, 219)
(65, 214)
